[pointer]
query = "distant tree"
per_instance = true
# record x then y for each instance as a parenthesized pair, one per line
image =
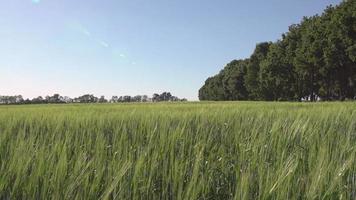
(126, 99)
(165, 96)
(55, 98)
(145, 98)
(67, 99)
(114, 99)
(155, 97)
(102, 100)
(87, 98)
(27, 101)
(38, 100)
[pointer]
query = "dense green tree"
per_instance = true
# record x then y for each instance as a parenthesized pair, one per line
(233, 80)
(277, 75)
(252, 79)
(314, 60)
(102, 100)
(213, 89)
(291, 41)
(228, 84)
(340, 26)
(308, 58)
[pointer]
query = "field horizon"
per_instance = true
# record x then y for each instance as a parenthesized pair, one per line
(189, 150)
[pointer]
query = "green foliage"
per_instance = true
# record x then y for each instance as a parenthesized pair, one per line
(213, 89)
(228, 84)
(277, 75)
(316, 59)
(233, 80)
(178, 151)
(253, 78)
(88, 98)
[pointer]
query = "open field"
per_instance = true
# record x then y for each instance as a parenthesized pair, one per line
(207, 150)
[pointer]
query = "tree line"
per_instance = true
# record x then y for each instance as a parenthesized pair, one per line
(88, 98)
(314, 60)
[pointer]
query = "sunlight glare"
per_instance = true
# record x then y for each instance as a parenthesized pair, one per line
(36, 1)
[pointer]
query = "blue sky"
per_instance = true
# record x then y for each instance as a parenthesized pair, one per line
(117, 47)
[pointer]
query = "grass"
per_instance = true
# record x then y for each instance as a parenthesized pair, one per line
(230, 150)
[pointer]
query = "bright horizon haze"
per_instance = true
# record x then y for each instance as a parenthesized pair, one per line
(132, 47)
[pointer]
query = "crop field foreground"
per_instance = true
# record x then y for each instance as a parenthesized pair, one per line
(227, 150)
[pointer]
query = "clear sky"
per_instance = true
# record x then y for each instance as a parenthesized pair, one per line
(129, 47)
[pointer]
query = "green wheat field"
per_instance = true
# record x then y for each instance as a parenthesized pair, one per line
(226, 150)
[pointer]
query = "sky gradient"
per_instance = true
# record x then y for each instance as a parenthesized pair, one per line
(115, 47)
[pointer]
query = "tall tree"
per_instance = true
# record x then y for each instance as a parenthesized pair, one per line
(233, 80)
(277, 75)
(314, 60)
(252, 78)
